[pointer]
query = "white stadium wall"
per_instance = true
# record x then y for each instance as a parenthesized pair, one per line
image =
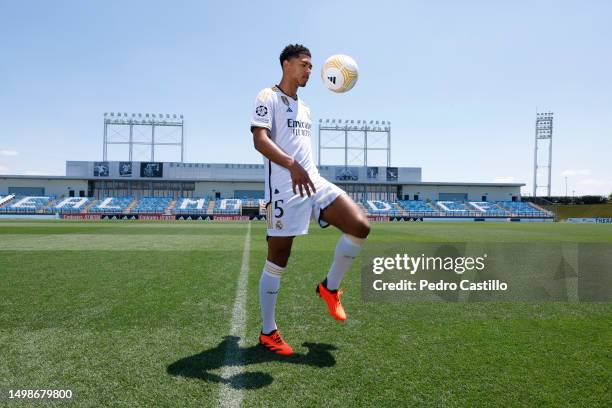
(235, 179)
(104, 170)
(431, 192)
(371, 174)
(50, 186)
(225, 188)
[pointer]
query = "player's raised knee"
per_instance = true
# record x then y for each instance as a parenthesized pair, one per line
(362, 227)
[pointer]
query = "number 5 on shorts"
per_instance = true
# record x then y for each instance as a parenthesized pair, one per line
(279, 208)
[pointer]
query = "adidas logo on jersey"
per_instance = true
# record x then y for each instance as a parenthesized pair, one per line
(289, 109)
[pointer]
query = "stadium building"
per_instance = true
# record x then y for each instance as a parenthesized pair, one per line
(176, 190)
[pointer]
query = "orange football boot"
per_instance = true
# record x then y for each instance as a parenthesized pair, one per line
(333, 302)
(275, 343)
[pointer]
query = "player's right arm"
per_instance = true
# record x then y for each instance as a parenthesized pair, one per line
(261, 125)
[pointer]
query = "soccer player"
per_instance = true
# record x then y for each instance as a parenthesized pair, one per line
(294, 191)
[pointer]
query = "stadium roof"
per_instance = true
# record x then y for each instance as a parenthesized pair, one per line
(237, 180)
(43, 177)
(450, 183)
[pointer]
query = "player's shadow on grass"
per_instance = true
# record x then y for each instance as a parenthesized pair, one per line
(228, 353)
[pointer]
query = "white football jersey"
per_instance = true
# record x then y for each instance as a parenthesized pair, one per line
(289, 123)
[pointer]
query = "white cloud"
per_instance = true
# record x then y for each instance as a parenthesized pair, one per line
(3, 169)
(35, 173)
(582, 172)
(595, 182)
(8, 153)
(507, 179)
(594, 186)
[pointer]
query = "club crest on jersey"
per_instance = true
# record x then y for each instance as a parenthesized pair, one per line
(279, 225)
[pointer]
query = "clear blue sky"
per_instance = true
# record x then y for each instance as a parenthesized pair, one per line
(460, 81)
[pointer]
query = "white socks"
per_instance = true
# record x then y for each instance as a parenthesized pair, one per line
(346, 251)
(269, 283)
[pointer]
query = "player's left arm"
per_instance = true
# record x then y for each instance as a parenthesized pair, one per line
(266, 146)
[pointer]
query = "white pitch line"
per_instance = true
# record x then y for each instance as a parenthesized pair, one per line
(228, 395)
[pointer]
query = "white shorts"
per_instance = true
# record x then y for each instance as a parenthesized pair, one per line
(289, 215)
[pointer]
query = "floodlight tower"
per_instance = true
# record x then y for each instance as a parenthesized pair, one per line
(331, 129)
(145, 124)
(543, 131)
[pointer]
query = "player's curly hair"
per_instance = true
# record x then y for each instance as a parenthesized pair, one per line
(293, 51)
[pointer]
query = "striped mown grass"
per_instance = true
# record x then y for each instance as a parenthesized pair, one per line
(138, 314)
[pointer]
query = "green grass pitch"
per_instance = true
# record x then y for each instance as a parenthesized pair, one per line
(138, 314)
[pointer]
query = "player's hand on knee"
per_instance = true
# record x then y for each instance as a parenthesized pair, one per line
(301, 179)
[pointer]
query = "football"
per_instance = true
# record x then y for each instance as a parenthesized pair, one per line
(339, 73)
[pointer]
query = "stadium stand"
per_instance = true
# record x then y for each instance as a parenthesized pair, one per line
(488, 209)
(151, 205)
(250, 202)
(27, 204)
(111, 205)
(6, 199)
(235, 206)
(381, 207)
(262, 206)
(519, 208)
(452, 206)
(68, 205)
(92, 203)
(231, 206)
(196, 205)
(417, 206)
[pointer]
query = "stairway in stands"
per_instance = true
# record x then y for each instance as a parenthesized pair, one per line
(10, 199)
(170, 207)
(90, 204)
(211, 207)
(131, 206)
(539, 208)
(50, 204)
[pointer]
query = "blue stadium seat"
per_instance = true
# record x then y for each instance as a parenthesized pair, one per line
(195, 205)
(453, 207)
(521, 209)
(250, 202)
(27, 204)
(417, 206)
(382, 207)
(151, 205)
(68, 205)
(228, 206)
(114, 205)
(488, 208)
